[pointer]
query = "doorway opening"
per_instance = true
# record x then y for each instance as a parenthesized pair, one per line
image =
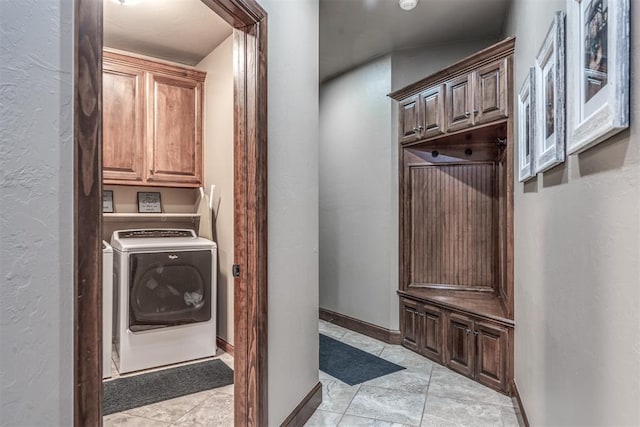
(248, 20)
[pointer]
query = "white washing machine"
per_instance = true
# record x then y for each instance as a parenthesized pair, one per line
(107, 308)
(166, 294)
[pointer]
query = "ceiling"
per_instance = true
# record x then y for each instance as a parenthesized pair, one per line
(351, 31)
(183, 31)
(355, 31)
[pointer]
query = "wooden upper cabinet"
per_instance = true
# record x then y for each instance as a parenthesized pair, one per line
(431, 112)
(175, 134)
(123, 123)
(409, 130)
(491, 92)
(460, 114)
(471, 92)
(152, 120)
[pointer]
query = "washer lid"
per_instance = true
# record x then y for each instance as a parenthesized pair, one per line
(159, 238)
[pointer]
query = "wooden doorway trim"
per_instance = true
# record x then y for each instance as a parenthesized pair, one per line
(249, 21)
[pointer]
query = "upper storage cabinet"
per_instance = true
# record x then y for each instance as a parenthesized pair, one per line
(123, 123)
(470, 93)
(422, 115)
(152, 122)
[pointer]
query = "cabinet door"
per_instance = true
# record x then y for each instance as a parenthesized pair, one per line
(410, 324)
(123, 124)
(460, 348)
(175, 131)
(460, 103)
(432, 329)
(491, 92)
(491, 356)
(409, 123)
(432, 122)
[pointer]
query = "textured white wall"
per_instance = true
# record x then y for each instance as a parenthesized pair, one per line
(36, 280)
(577, 265)
(358, 198)
(293, 203)
(218, 170)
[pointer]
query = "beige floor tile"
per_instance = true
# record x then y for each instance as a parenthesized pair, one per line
(331, 330)
(126, 420)
(416, 380)
(448, 384)
(442, 412)
(403, 407)
(336, 396)
(363, 342)
(170, 410)
(217, 410)
(323, 419)
(353, 421)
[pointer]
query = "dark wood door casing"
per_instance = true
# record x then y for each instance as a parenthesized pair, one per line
(250, 163)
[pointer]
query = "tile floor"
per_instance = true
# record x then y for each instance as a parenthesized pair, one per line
(425, 394)
(207, 408)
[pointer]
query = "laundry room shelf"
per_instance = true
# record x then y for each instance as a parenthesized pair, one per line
(146, 217)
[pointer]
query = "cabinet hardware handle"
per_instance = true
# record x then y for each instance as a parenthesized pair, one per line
(475, 112)
(420, 128)
(467, 114)
(475, 333)
(468, 331)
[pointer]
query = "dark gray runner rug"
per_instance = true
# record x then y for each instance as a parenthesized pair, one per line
(352, 365)
(126, 393)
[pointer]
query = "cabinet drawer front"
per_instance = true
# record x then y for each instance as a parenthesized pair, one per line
(432, 112)
(460, 344)
(123, 123)
(409, 120)
(491, 363)
(491, 92)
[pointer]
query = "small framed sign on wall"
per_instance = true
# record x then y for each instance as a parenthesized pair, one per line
(598, 65)
(107, 201)
(149, 202)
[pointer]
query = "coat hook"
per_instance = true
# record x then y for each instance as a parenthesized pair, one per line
(501, 142)
(468, 152)
(435, 153)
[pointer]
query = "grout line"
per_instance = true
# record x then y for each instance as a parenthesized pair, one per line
(426, 396)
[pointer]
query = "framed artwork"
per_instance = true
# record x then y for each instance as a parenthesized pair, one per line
(598, 64)
(526, 127)
(149, 202)
(107, 201)
(550, 98)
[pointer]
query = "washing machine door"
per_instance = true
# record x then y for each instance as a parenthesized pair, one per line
(169, 288)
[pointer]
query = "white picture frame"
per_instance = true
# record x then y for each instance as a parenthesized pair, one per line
(526, 127)
(598, 71)
(550, 98)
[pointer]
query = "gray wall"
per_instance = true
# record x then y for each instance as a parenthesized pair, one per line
(36, 280)
(293, 203)
(218, 170)
(358, 225)
(410, 65)
(577, 265)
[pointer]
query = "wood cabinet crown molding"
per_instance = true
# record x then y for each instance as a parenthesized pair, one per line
(466, 65)
(146, 63)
